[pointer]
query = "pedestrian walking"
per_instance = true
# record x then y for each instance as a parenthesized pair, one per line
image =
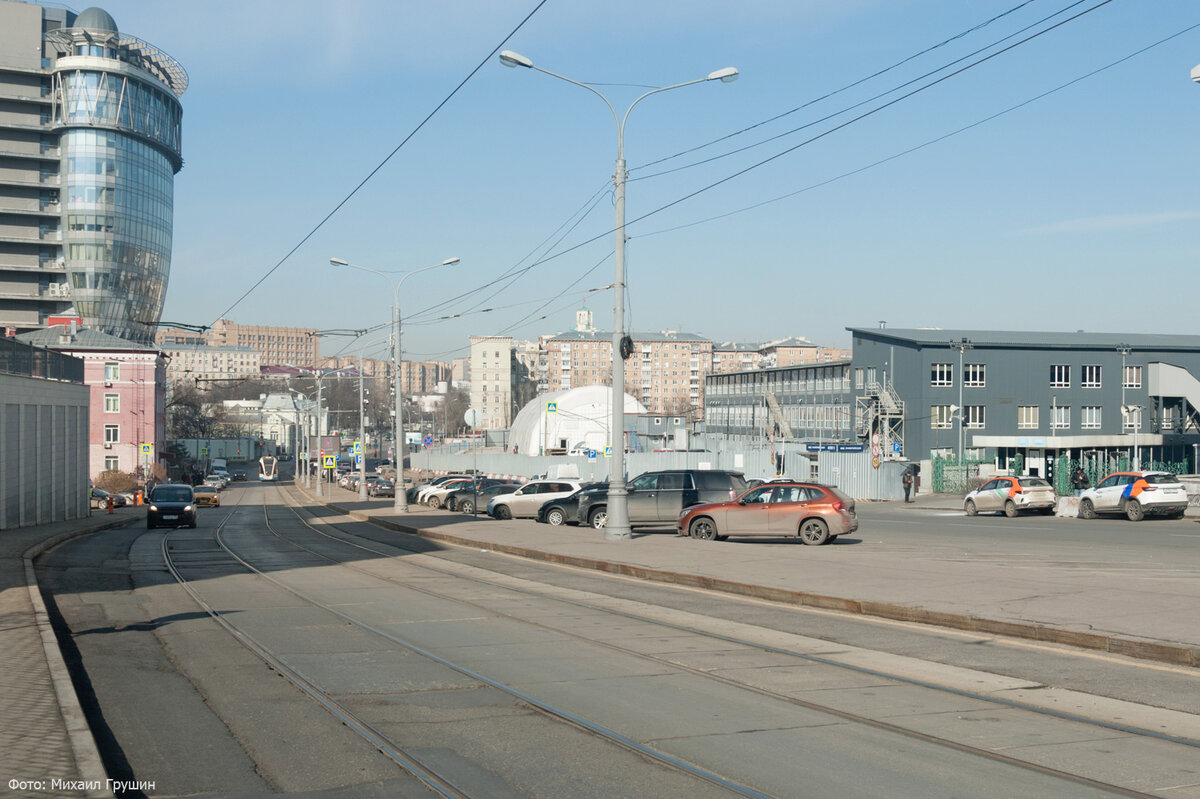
(1080, 481)
(907, 481)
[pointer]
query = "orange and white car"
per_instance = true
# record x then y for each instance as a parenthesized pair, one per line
(1010, 496)
(1136, 495)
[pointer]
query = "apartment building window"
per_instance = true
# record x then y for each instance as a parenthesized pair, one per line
(1027, 417)
(112, 372)
(1090, 377)
(112, 463)
(939, 417)
(1131, 419)
(941, 374)
(1133, 377)
(1060, 376)
(112, 403)
(1060, 417)
(975, 375)
(1089, 417)
(974, 415)
(112, 433)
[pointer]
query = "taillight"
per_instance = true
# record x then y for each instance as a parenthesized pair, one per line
(1150, 488)
(838, 506)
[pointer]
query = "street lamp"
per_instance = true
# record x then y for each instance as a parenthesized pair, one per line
(1136, 412)
(398, 441)
(617, 526)
(962, 346)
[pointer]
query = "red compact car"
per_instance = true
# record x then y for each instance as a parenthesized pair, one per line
(814, 513)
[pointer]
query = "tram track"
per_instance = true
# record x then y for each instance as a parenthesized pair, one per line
(434, 779)
(350, 539)
(775, 695)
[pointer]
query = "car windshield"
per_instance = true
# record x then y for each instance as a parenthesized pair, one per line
(1159, 479)
(1033, 482)
(172, 494)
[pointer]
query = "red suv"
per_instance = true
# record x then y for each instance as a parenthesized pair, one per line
(814, 513)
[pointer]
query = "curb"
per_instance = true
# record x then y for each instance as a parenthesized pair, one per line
(1175, 654)
(83, 742)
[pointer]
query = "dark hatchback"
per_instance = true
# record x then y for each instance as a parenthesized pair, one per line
(657, 498)
(171, 505)
(565, 510)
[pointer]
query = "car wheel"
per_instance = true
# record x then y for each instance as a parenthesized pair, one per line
(1178, 515)
(598, 518)
(193, 524)
(149, 525)
(502, 512)
(450, 503)
(971, 509)
(814, 532)
(1010, 509)
(556, 517)
(433, 502)
(1133, 511)
(1086, 509)
(467, 506)
(703, 529)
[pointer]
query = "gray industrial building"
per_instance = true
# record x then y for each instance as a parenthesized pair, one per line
(1004, 398)
(90, 142)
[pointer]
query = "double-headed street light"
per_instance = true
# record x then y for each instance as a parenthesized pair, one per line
(617, 526)
(398, 439)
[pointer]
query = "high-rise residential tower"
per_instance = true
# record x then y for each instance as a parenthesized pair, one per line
(90, 141)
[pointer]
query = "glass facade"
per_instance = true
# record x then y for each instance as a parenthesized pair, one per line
(120, 146)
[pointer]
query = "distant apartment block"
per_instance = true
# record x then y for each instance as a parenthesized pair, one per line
(492, 380)
(203, 365)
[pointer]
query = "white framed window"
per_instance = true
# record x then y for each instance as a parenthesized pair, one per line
(975, 375)
(1091, 376)
(112, 463)
(941, 374)
(112, 372)
(112, 433)
(1132, 377)
(940, 417)
(112, 403)
(1089, 417)
(974, 416)
(1060, 417)
(1027, 417)
(1131, 419)
(1060, 376)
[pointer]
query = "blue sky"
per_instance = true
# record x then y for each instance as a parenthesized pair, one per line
(1078, 210)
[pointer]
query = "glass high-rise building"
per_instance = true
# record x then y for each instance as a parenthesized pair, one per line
(90, 141)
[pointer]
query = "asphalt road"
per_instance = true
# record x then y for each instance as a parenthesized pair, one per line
(179, 701)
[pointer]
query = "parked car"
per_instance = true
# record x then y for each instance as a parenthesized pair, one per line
(525, 501)
(1136, 495)
(1010, 496)
(173, 504)
(207, 496)
(657, 498)
(465, 500)
(450, 497)
(381, 488)
(565, 510)
(434, 496)
(414, 489)
(814, 513)
(216, 481)
(100, 497)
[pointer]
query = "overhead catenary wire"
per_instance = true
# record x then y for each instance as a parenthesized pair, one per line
(382, 163)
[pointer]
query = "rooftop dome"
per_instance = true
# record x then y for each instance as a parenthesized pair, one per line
(96, 19)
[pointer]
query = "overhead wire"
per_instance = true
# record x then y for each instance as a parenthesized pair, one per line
(927, 143)
(847, 87)
(382, 163)
(850, 108)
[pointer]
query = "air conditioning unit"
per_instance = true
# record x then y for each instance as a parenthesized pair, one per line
(108, 384)
(108, 445)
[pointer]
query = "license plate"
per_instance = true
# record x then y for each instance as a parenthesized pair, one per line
(170, 517)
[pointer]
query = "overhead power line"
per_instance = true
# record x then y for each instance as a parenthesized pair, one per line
(382, 163)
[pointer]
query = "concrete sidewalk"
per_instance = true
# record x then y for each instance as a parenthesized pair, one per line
(44, 736)
(1059, 594)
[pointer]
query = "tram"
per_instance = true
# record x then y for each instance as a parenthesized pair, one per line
(268, 468)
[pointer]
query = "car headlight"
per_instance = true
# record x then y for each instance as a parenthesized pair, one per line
(154, 508)
(187, 507)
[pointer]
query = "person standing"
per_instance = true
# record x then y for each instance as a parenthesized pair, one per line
(1080, 481)
(907, 481)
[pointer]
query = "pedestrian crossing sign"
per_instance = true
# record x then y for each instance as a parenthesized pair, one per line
(330, 462)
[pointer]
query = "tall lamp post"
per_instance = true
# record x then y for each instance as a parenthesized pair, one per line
(617, 526)
(1136, 412)
(401, 502)
(962, 346)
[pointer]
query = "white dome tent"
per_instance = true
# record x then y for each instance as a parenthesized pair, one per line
(580, 421)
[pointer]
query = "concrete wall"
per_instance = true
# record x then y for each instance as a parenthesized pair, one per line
(43, 451)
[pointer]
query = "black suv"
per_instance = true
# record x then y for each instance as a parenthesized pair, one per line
(657, 498)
